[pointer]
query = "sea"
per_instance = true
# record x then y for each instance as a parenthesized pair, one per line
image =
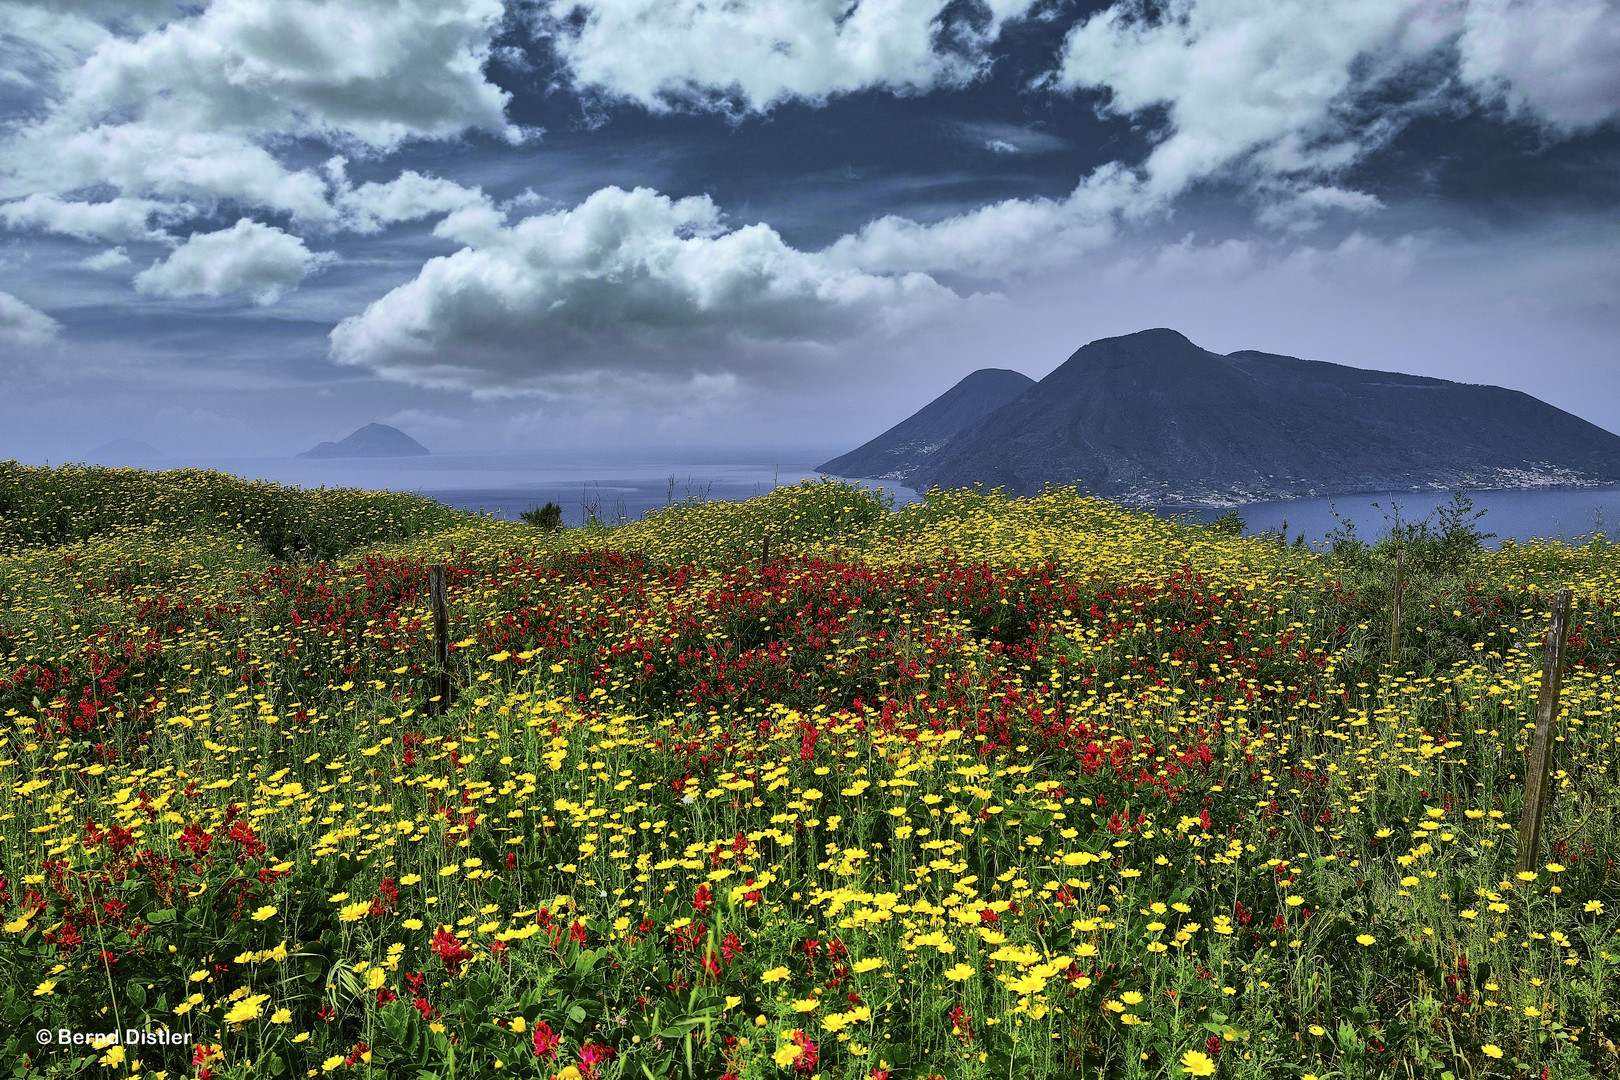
(1567, 514)
(627, 486)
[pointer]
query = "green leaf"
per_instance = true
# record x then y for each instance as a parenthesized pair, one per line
(577, 1014)
(158, 918)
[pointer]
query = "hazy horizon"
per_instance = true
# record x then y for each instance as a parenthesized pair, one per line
(238, 228)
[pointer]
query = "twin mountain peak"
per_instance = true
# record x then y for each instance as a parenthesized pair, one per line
(1150, 419)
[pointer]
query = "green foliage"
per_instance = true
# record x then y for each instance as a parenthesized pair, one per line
(45, 507)
(1445, 541)
(547, 518)
(1228, 524)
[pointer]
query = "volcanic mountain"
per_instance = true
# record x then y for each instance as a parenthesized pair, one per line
(900, 452)
(373, 440)
(1152, 419)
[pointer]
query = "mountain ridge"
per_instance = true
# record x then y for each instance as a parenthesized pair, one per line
(898, 452)
(1153, 419)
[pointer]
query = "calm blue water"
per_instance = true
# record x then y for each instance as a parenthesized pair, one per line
(629, 485)
(617, 487)
(1521, 514)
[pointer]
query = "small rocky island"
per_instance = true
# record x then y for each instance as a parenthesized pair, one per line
(371, 441)
(1150, 419)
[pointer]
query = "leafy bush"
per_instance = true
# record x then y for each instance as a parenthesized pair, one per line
(547, 518)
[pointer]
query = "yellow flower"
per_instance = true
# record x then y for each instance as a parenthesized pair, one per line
(246, 1009)
(806, 1005)
(871, 963)
(519, 1024)
(266, 912)
(281, 1016)
(114, 1056)
(1594, 906)
(1197, 1063)
(776, 974)
(1492, 1050)
(377, 977)
(1131, 997)
(332, 1062)
(1557, 868)
(46, 988)
(959, 973)
(412, 924)
(354, 912)
(1526, 875)
(1295, 900)
(1366, 939)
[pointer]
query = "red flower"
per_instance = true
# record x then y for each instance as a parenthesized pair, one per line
(449, 950)
(809, 1053)
(592, 1056)
(703, 900)
(545, 1041)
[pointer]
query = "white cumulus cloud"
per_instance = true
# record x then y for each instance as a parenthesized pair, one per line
(113, 220)
(629, 282)
(191, 103)
(22, 325)
(1556, 60)
(411, 196)
(111, 259)
(379, 71)
(1004, 239)
(754, 54)
(249, 257)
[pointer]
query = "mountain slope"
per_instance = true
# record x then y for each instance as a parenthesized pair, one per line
(1151, 418)
(373, 440)
(899, 452)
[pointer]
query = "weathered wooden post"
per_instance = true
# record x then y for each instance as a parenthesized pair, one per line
(441, 637)
(1538, 780)
(1395, 608)
(765, 551)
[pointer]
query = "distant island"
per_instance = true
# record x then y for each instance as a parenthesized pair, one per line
(1150, 419)
(371, 441)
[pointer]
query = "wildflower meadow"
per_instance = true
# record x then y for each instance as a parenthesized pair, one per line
(982, 787)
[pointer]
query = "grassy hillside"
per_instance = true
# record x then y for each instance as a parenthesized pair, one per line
(985, 787)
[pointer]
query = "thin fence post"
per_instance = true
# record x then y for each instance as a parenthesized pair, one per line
(765, 551)
(1395, 609)
(1538, 780)
(441, 638)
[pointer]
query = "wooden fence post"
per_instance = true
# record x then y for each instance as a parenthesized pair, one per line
(765, 551)
(441, 638)
(1395, 609)
(1538, 780)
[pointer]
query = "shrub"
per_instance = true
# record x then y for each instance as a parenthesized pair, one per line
(547, 518)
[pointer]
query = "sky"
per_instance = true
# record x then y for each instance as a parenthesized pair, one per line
(241, 227)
